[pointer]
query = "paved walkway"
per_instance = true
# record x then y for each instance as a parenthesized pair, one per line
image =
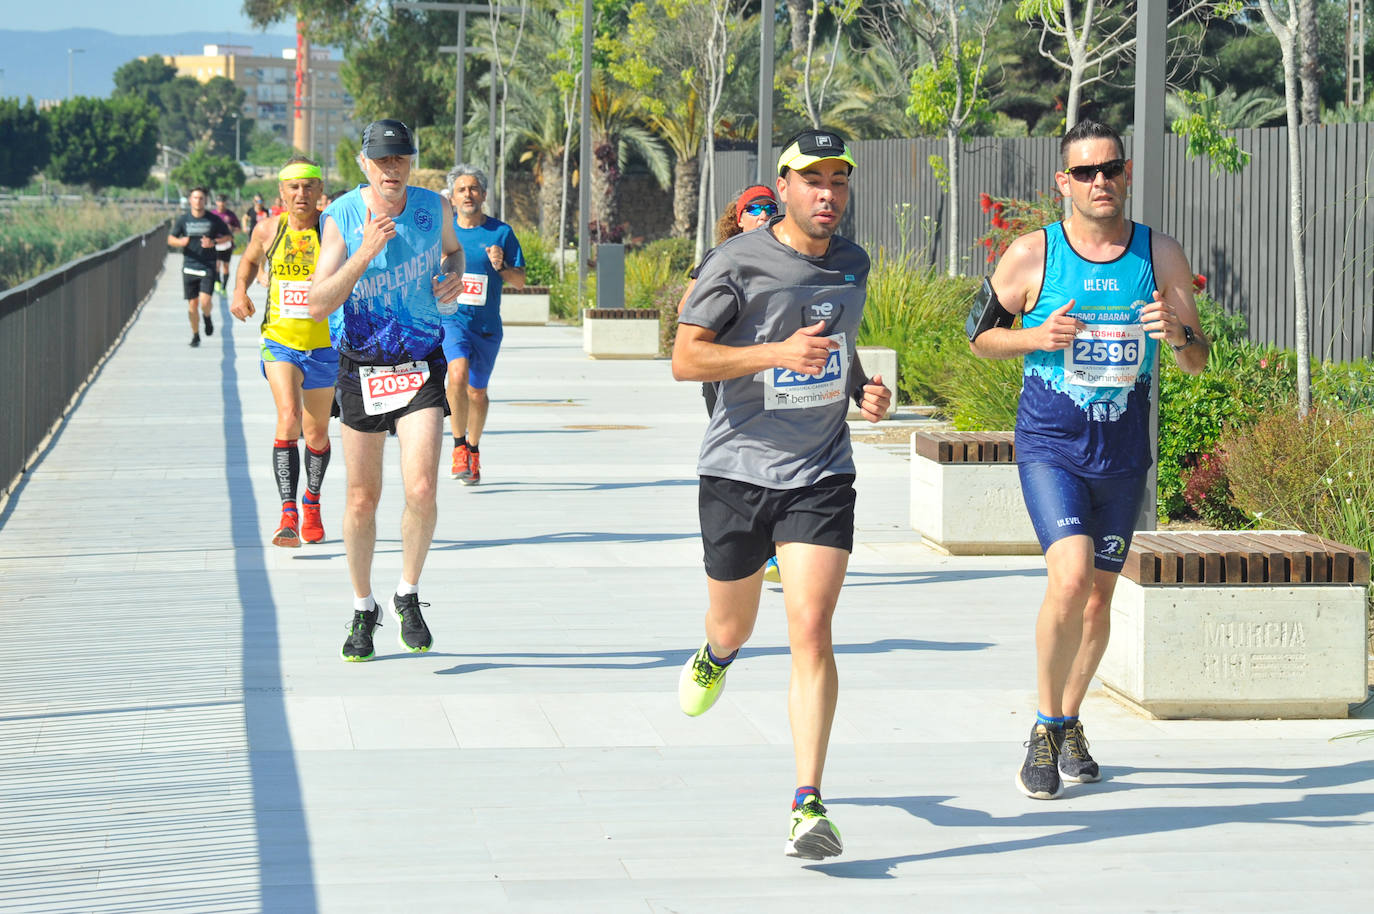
(178, 733)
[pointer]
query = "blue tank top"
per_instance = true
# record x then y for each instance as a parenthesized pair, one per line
(391, 316)
(1087, 407)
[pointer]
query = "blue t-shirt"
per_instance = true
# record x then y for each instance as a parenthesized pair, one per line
(391, 316)
(479, 307)
(1087, 407)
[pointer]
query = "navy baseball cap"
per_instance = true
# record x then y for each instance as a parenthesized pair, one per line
(387, 137)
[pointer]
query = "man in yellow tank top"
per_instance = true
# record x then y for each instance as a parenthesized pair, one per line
(298, 361)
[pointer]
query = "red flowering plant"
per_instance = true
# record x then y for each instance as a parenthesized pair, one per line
(1010, 218)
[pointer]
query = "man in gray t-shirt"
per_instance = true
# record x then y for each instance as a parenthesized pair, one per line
(773, 319)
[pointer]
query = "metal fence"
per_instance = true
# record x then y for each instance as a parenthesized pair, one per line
(54, 332)
(1234, 228)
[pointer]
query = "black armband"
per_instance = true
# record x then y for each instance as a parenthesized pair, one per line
(987, 313)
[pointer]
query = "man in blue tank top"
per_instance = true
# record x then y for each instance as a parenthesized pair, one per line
(1096, 294)
(390, 266)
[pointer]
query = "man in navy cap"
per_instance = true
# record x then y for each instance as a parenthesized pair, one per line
(390, 266)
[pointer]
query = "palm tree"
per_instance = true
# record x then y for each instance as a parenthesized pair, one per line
(1251, 108)
(617, 131)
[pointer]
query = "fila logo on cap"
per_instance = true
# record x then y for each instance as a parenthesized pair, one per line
(822, 140)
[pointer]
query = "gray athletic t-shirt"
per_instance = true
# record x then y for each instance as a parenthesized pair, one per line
(778, 429)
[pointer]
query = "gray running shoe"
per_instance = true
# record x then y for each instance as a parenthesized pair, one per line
(1039, 774)
(414, 633)
(358, 647)
(1075, 764)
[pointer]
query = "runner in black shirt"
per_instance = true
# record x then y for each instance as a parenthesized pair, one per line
(197, 233)
(225, 250)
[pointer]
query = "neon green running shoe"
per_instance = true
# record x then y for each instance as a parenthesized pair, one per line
(813, 836)
(701, 683)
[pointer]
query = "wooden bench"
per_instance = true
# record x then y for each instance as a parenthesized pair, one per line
(966, 494)
(1239, 624)
(620, 333)
(1260, 557)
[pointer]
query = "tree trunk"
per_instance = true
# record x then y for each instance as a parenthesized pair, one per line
(550, 173)
(952, 219)
(605, 187)
(798, 15)
(1311, 77)
(1295, 221)
(686, 179)
(703, 183)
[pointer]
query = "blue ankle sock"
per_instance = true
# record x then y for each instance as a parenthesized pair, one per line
(1054, 723)
(1070, 720)
(802, 793)
(718, 661)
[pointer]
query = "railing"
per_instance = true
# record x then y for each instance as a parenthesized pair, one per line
(56, 330)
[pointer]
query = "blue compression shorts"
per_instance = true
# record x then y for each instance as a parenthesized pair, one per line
(1061, 503)
(319, 366)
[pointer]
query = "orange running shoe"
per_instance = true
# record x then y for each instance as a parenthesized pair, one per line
(461, 465)
(474, 469)
(312, 528)
(286, 534)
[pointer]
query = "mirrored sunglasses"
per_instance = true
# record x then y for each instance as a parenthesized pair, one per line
(762, 209)
(1087, 173)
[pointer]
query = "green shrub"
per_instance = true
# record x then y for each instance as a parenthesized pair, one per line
(540, 268)
(646, 274)
(563, 298)
(983, 393)
(1314, 474)
(679, 251)
(48, 236)
(668, 298)
(919, 313)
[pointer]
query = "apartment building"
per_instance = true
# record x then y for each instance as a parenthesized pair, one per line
(269, 85)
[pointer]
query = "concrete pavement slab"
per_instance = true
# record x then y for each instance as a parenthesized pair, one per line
(178, 732)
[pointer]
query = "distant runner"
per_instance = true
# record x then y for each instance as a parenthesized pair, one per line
(197, 233)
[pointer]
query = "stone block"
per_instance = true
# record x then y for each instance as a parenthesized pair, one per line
(524, 308)
(1237, 651)
(620, 333)
(970, 508)
(878, 360)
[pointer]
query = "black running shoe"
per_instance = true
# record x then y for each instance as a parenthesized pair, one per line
(358, 647)
(209, 326)
(1075, 764)
(414, 633)
(195, 340)
(1039, 775)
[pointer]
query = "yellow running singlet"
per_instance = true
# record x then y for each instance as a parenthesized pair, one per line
(291, 261)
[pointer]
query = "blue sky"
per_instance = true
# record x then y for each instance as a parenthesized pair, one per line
(142, 17)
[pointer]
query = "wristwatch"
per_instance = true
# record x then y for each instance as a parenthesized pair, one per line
(1189, 338)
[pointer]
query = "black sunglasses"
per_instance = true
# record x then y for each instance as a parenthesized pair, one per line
(762, 209)
(1088, 173)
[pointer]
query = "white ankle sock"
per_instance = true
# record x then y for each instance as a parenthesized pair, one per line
(404, 588)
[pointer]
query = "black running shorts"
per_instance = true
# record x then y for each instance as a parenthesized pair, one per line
(194, 285)
(741, 523)
(348, 396)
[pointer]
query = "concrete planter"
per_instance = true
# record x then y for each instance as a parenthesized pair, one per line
(966, 494)
(1239, 624)
(525, 307)
(878, 360)
(620, 333)
(1237, 651)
